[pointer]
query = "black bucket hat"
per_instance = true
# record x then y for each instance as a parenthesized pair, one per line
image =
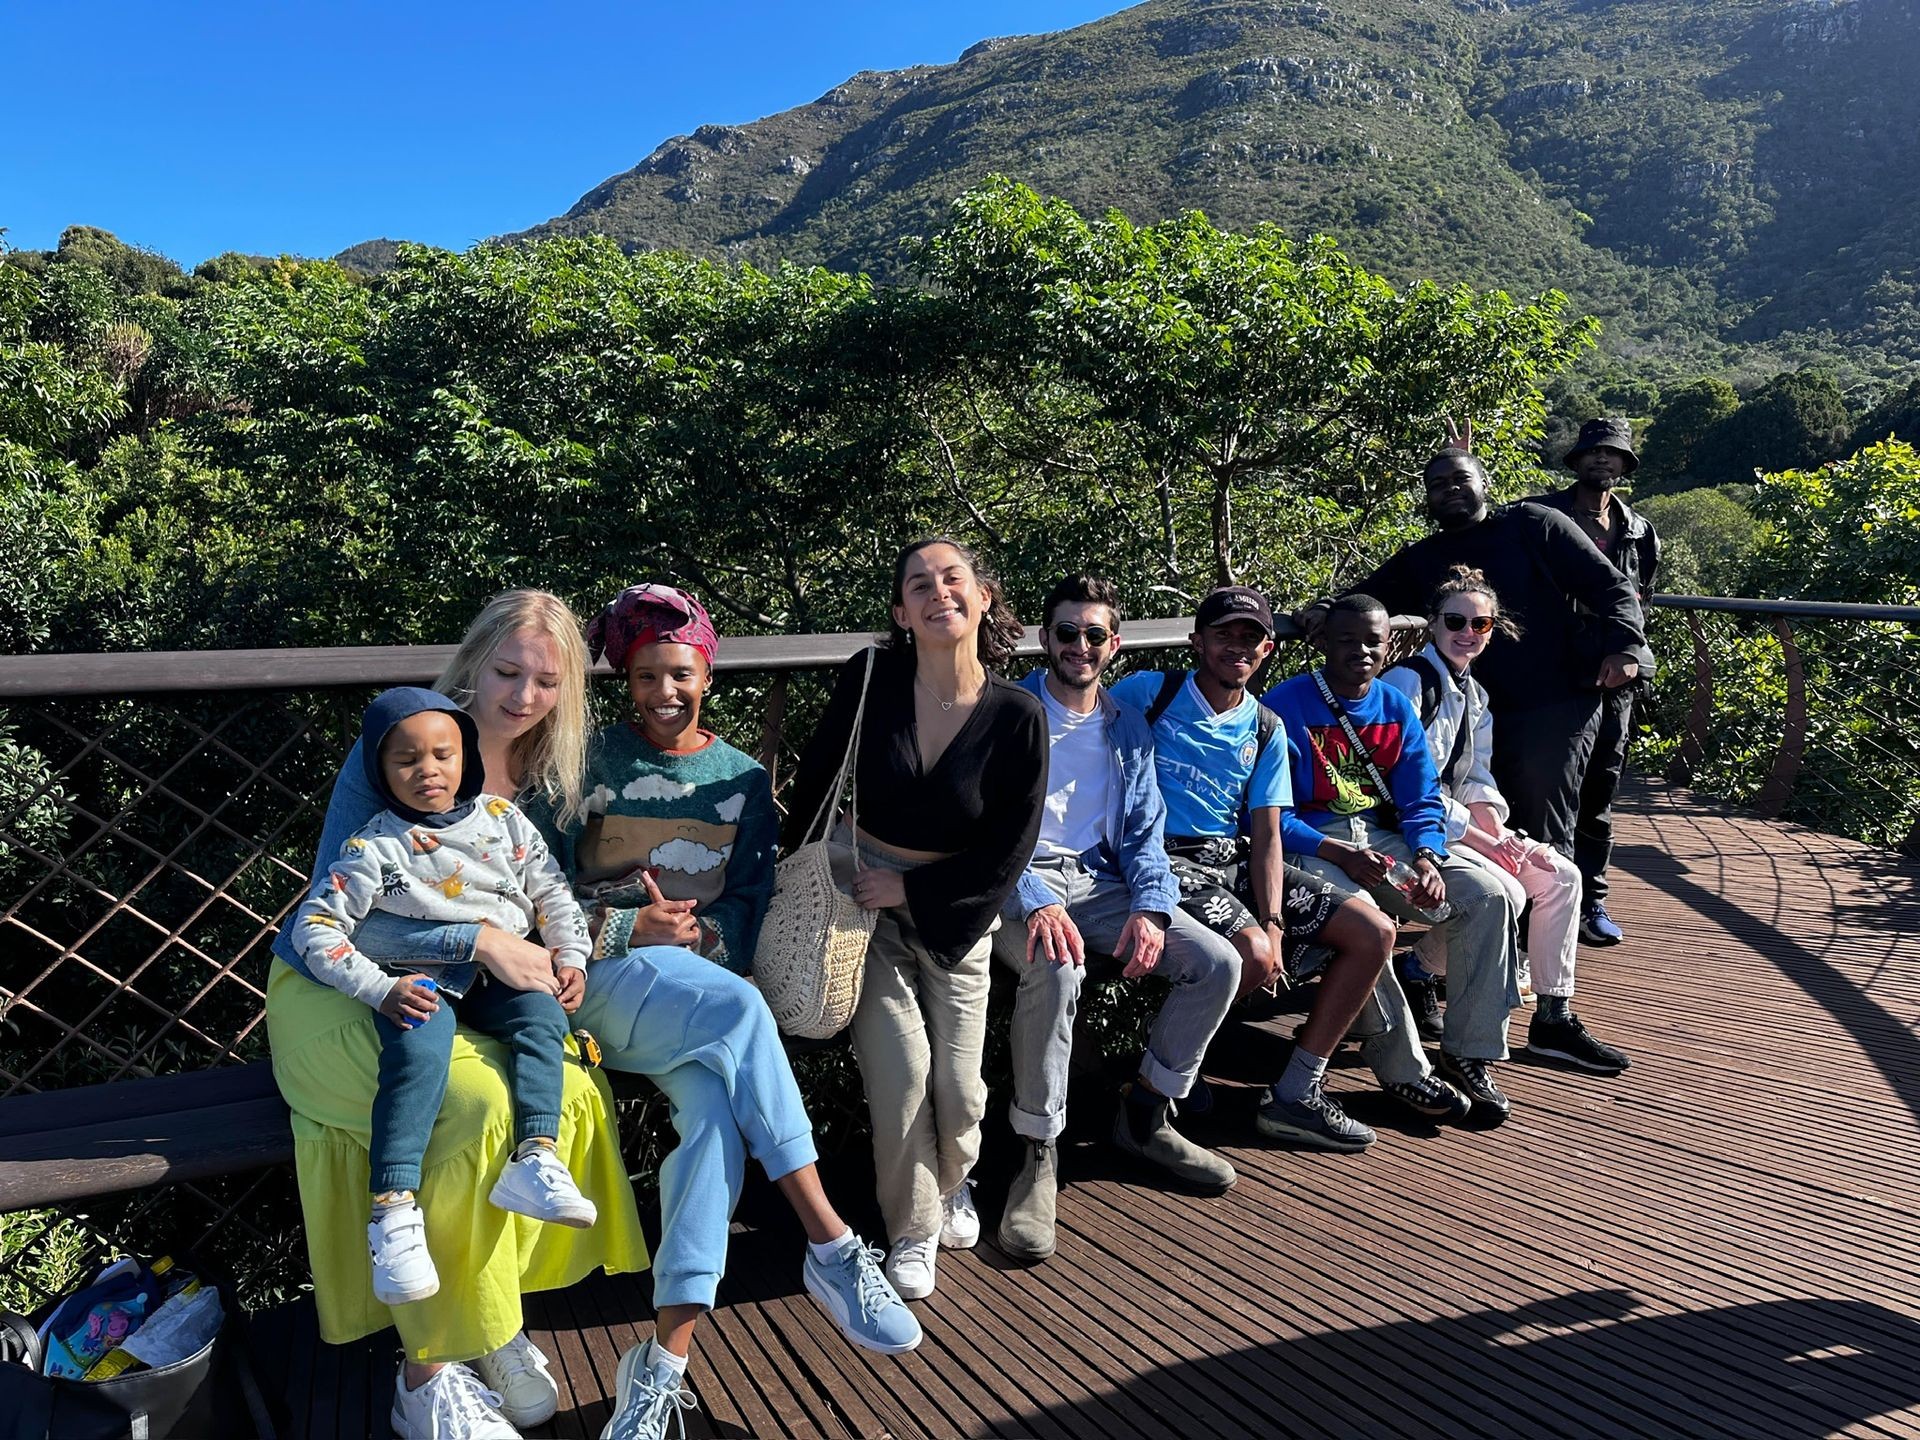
(1612, 432)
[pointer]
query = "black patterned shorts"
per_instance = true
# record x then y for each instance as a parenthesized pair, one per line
(1212, 874)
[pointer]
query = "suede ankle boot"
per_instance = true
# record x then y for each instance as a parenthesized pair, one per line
(1026, 1229)
(1144, 1128)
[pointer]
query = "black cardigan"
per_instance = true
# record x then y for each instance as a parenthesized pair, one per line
(980, 803)
(1572, 606)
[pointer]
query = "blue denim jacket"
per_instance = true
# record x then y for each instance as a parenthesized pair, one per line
(389, 939)
(1138, 818)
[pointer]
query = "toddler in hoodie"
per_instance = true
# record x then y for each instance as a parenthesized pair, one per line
(444, 851)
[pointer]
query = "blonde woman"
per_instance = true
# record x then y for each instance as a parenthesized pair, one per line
(469, 1369)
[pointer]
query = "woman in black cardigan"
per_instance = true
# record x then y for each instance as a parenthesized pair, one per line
(949, 780)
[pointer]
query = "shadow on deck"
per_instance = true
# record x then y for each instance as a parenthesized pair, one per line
(1719, 1242)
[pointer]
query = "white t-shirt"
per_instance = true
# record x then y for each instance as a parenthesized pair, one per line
(1079, 778)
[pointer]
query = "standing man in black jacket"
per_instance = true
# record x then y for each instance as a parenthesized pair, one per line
(1581, 634)
(1600, 459)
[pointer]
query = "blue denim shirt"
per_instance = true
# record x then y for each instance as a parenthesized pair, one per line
(1135, 849)
(389, 939)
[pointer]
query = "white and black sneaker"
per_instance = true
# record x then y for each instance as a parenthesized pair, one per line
(1432, 1098)
(1567, 1042)
(1474, 1079)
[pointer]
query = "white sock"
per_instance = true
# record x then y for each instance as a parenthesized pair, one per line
(528, 1146)
(658, 1357)
(830, 1251)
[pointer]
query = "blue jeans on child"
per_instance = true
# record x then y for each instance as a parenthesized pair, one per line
(413, 1073)
(707, 1039)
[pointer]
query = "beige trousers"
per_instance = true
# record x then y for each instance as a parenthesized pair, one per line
(918, 1033)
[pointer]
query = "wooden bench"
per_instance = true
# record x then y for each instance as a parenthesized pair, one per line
(65, 1145)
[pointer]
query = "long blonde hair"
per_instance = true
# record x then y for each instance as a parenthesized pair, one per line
(553, 755)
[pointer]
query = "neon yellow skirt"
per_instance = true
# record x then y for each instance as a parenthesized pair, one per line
(326, 1059)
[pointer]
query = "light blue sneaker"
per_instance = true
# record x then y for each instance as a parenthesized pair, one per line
(646, 1397)
(861, 1300)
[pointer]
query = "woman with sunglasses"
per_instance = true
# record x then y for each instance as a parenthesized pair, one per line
(1462, 619)
(949, 781)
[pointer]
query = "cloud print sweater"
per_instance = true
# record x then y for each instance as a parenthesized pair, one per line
(703, 822)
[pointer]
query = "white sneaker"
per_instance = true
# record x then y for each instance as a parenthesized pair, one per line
(517, 1372)
(959, 1221)
(910, 1267)
(1524, 976)
(453, 1405)
(537, 1184)
(397, 1242)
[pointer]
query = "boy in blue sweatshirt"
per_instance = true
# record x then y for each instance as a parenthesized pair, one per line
(1366, 794)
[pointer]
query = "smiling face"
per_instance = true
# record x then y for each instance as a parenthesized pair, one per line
(941, 601)
(1077, 663)
(1456, 491)
(421, 761)
(1356, 646)
(517, 687)
(1231, 651)
(668, 682)
(1460, 648)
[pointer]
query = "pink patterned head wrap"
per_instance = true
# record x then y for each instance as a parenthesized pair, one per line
(650, 615)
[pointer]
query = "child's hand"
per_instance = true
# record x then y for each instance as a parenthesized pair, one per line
(573, 987)
(410, 1001)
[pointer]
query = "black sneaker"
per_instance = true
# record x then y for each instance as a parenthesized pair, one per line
(1474, 1078)
(1567, 1042)
(1431, 1097)
(1424, 997)
(1597, 927)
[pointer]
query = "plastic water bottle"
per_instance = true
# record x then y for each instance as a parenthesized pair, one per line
(1403, 877)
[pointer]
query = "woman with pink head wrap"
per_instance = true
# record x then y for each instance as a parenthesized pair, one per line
(675, 852)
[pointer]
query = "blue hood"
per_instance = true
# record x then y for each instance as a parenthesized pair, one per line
(387, 710)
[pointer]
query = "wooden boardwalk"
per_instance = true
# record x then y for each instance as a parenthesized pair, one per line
(1721, 1242)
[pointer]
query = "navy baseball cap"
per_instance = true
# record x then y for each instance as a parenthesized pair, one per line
(1234, 602)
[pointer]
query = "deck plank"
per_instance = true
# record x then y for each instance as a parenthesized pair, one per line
(1721, 1242)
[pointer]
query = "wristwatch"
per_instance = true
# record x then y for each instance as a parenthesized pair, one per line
(1427, 852)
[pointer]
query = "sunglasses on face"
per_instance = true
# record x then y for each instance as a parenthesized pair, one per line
(1097, 635)
(1479, 624)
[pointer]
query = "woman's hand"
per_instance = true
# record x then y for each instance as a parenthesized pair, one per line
(410, 1001)
(1362, 866)
(573, 987)
(1504, 848)
(663, 921)
(516, 963)
(880, 889)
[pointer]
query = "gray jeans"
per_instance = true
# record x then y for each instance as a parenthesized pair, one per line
(1482, 982)
(1203, 968)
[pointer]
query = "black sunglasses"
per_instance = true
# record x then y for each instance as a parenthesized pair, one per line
(1097, 635)
(1479, 624)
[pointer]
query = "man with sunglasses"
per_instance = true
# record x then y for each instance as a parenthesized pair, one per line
(1600, 459)
(1099, 882)
(1581, 633)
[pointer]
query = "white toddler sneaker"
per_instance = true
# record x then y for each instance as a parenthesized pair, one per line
(397, 1242)
(535, 1183)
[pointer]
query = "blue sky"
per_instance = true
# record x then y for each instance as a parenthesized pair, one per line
(277, 128)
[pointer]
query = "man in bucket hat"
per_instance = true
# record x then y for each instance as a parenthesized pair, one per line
(1600, 459)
